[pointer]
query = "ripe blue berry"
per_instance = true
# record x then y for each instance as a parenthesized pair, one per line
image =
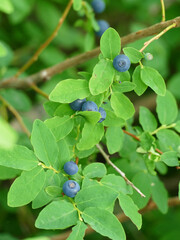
(77, 104)
(121, 63)
(103, 114)
(70, 188)
(89, 106)
(103, 25)
(70, 168)
(98, 6)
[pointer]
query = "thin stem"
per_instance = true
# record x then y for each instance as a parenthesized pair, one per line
(84, 57)
(163, 11)
(17, 115)
(138, 139)
(77, 209)
(50, 167)
(172, 202)
(157, 36)
(38, 90)
(106, 157)
(46, 43)
(163, 127)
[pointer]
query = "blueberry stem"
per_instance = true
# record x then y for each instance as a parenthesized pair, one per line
(74, 205)
(157, 36)
(163, 11)
(106, 157)
(50, 167)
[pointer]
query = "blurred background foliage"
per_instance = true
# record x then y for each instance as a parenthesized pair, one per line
(24, 26)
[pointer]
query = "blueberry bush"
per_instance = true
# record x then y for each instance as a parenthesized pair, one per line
(89, 159)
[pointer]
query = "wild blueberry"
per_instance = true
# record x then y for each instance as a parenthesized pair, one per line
(70, 188)
(103, 25)
(121, 63)
(77, 104)
(98, 6)
(103, 114)
(90, 106)
(70, 168)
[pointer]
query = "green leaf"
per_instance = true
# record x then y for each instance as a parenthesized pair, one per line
(95, 170)
(179, 191)
(19, 157)
(6, 6)
(110, 44)
(98, 99)
(112, 119)
(116, 183)
(114, 139)
(146, 140)
(44, 143)
(60, 126)
(133, 54)
(8, 136)
(141, 181)
(50, 107)
(77, 5)
(159, 194)
(78, 231)
(69, 90)
(177, 127)
(91, 117)
(147, 119)
(122, 106)
(95, 196)
(130, 209)
(170, 158)
(54, 191)
(104, 222)
(136, 78)
(17, 98)
(57, 215)
(64, 152)
(167, 108)
(26, 187)
(3, 51)
(102, 77)
(168, 140)
(123, 87)
(52, 179)
(8, 173)
(63, 110)
(154, 80)
(122, 76)
(91, 135)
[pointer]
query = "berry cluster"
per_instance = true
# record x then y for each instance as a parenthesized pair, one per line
(83, 105)
(71, 187)
(98, 7)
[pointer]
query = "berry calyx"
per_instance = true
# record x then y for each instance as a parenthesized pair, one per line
(90, 106)
(77, 104)
(70, 168)
(71, 188)
(121, 63)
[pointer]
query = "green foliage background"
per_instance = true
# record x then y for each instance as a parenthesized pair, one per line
(24, 25)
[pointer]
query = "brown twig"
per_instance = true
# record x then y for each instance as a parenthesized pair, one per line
(81, 58)
(106, 157)
(172, 202)
(46, 43)
(16, 114)
(38, 90)
(138, 139)
(157, 36)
